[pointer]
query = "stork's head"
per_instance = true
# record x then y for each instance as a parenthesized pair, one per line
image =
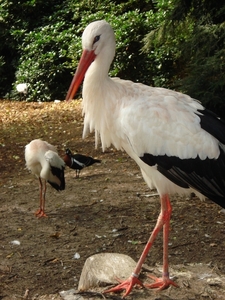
(96, 36)
(97, 40)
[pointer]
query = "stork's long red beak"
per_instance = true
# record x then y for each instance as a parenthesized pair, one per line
(86, 59)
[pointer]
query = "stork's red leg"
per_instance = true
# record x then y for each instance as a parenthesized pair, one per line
(165, 281)
(40, 212)
(163, 219)
(126, 285)
(40, 196)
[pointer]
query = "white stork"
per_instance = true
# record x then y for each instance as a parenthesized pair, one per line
(177, 143)
(44, 162)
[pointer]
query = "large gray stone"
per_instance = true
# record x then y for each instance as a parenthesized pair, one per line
(104, 268)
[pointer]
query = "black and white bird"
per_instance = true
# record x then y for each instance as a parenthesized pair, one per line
(78, 161)
(43, 161)
(177, 143)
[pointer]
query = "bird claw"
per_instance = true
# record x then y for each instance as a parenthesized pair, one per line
(126, 285)
(160, 283)
(40, 213)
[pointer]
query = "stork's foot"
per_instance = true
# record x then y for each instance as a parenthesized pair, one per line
(40, 213)
(126, 285)
(160, 283)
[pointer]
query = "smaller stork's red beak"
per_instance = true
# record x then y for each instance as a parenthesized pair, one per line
(86, 59)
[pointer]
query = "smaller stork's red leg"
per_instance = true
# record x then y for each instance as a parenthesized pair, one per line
(163, 219)
(40, 212)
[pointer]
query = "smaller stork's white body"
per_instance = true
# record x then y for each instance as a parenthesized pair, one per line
(43, 161)
(176, 142)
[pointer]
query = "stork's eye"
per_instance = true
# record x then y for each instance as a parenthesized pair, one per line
(96, 39)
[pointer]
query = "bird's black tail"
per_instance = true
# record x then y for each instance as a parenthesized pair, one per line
(97, 161)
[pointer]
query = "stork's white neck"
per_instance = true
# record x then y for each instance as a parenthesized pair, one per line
(100, 104)
(101, 94)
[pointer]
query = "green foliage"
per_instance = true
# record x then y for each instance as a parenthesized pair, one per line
(177, 44)
(205, 70)
(191, 37)
(44, 63)
(49, 51)
(162, 45)
(16, 21)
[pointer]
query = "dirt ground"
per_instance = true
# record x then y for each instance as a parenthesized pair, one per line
(82, 219)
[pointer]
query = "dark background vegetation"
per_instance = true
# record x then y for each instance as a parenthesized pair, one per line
(177, 44)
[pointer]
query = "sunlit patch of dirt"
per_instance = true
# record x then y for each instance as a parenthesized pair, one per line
(81, 219)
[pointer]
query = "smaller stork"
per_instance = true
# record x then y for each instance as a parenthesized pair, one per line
(22, 89)
(43, 161)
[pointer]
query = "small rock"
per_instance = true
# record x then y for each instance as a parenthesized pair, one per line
(15, 242)
(216, 281)
(76, 256)
(70, 295)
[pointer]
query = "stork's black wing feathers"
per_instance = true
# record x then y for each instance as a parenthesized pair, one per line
(206, 176)
(60, 174)
(211, 123)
